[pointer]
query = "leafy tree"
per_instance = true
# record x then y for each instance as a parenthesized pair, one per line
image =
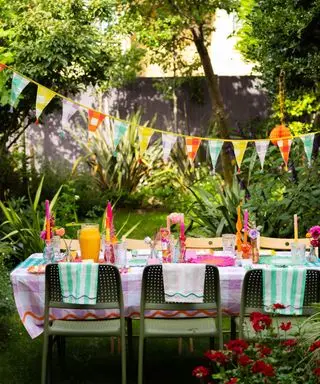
(166, 28)
(66, 45)
(285, 35)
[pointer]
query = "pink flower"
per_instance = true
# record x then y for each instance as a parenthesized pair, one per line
(233, 380)
(314, 242)
(261, 367)
(315, 231)
(217, 356)
(244, 360)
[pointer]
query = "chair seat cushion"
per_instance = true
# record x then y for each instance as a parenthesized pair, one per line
(180, 327)
(85, 327)
(296, 321)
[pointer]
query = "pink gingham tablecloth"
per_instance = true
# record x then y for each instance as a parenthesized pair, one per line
(29, 292)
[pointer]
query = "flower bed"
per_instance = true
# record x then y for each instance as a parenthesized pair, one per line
(271, 357)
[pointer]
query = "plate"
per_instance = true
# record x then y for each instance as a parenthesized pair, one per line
(37, 269)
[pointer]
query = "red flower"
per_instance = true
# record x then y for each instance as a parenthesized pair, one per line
(217, 356)
(314, 346)
(260, 321)
(233, 380)
(264, 351)
(289, 343)
(317, 371)
(314, 243)
(261, 367)
(244, 360)
(285, 326)
(278, 306)
(237, 346)
(200, 372)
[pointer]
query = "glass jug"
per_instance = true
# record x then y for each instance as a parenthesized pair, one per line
(89, 239)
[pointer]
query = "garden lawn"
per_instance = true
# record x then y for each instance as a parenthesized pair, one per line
(88, 360)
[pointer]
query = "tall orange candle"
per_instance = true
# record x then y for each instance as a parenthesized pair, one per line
(48, 231)
(239, 227)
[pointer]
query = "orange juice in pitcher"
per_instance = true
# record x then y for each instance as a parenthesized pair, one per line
(89, 239)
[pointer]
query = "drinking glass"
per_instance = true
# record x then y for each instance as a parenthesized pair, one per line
(298, 251)
(89, 239)
(120, 253)
(56, 248)
(228, 243)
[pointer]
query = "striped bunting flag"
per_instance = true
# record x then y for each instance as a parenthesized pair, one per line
(284, 147)
(308, 146)
(18, 85)
(214, 150)
(192, 144)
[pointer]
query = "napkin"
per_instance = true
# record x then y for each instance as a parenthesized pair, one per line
(183, 283)
(79, 282)
(285, 286)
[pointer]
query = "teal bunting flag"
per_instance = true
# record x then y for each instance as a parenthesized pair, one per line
(214, 150)
(119, 129)
(18, 85)
(308, 146)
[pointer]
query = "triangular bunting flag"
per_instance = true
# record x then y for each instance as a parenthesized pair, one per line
(308, 146)
(262, 147)
(2, 67)
(284, 146)
(168, 142)
(144, 138)
(193, 144)
(18, 85)
(239, 148)
(119, 129)
(68, 110)
(95, 119)
(214, 150)
(44, 96)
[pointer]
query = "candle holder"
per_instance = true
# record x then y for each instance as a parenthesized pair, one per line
(48, 252)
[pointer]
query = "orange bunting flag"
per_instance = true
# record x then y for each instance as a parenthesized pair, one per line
(284, 146)
(95, 119)
(193, 144)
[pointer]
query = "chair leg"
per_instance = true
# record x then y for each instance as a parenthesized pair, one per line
(180, 346)
(211, 342)
(141, 359)
(130, 341)
(233, 328)
(191, 347)
(49, 360)
(44, 372)
(123, 358)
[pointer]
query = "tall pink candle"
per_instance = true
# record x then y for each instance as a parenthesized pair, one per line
(246, 220)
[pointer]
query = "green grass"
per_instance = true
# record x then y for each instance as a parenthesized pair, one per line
(89, 361)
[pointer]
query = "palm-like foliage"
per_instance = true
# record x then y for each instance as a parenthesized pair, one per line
(23, 224)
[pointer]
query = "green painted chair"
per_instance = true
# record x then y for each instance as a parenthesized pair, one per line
(109, 296)
(252, 301)
(153, 299)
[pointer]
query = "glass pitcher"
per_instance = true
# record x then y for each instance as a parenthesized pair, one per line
(89, 239)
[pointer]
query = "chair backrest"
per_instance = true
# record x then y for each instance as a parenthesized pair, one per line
(153, 295)
(109, 289)
(203, 243)
(279, 244)
(252, 291)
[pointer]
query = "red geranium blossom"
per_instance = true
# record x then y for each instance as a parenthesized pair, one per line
(314, 346)
(217, 356)
(314, 242)
(261, 367)
(200, 372)
(237, 346)
(244, 360)
(233, 380)
(317, 371)
(285, 326)
(278, 306)
(260, 321)
(289, 343)
(264, 351)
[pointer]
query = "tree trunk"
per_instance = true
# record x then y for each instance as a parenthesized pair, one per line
(218, 111)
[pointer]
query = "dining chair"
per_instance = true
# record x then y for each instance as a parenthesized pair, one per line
(203, 243)
(153, 299)
(252, 300)
(109, 296)
(280, 244)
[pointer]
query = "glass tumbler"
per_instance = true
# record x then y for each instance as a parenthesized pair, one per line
(298, 252)
(228, 243)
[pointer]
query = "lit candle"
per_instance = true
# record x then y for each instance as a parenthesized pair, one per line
(47, 206)
(295, 226)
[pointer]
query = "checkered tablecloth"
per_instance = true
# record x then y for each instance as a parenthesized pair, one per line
(29, 291)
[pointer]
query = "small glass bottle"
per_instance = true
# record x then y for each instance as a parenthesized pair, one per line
(48, 252)
(254, 251)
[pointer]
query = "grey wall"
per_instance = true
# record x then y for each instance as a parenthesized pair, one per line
(244, 101)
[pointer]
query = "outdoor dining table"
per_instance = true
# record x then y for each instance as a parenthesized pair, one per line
(29, 293)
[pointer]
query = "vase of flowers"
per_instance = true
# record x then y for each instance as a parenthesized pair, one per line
(273, 356)
(314, 236)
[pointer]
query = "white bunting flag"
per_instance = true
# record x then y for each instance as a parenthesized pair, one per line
(168, 142)
(261, 148)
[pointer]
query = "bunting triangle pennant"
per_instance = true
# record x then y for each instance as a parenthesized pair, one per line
(284, 146)
(214, 150)
(193, 144)
(95, 119)
(261, 148)
(239, 148)
(68, 110)
(18, 85)
(145, 134)
(44, 96)
(2, 67)
(308, 146)
(168, 141)
(119, 129)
